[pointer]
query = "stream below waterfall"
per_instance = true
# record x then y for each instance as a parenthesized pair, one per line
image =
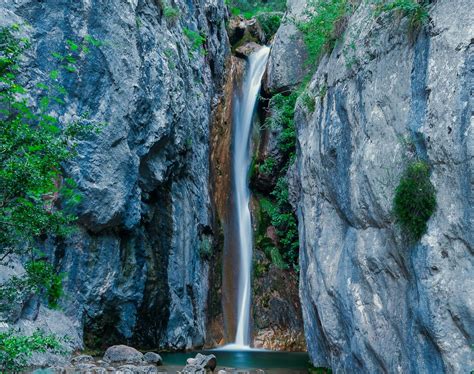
(271, 362)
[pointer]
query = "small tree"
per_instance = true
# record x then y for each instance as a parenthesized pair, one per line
(34, 191)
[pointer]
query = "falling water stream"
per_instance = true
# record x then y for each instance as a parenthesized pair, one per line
(244, 108)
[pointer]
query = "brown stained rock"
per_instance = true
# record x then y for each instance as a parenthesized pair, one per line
(247, 49)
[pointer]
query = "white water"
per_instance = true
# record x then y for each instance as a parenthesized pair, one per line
(244, 107)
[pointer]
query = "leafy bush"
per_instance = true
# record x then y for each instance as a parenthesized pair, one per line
(171, 13)
(197, 39)
(416, 11)
(249, 9)
(34, 144)
(282, 110)
(324, 26)
(15, 349)
(267, 166)
(415, 199)
(270, 23)
(285, 223)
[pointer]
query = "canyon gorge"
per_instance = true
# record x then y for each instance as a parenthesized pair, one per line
(194, 231)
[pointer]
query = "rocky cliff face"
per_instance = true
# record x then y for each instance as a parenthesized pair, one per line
(372, 302)
(136, 269)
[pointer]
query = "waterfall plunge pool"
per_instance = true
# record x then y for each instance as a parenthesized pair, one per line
(247, 361)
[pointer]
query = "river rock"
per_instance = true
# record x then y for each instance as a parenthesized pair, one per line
(123, 353)
(200, 364)
(152, 358)
(372, 301)
(82, 359)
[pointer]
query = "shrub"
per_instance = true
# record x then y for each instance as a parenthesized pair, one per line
(282, 111)
(416, 11)
(415, 199)
(324, 26)
(267, 166)
(15, 349)
(249, 9)
(34, 144)
(171, 13)
(197, 39)
(270, 23)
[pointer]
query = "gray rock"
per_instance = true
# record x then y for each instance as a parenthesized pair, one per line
(134, 263)
(152, 358)
(131, 369)
(200, 364)
(372, 302)
(123, 353)
(82, 359)
(287, 65)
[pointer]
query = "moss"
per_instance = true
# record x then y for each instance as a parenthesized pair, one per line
(415, 199)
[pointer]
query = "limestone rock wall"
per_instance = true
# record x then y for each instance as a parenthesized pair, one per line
(135, 269)
(371, 301)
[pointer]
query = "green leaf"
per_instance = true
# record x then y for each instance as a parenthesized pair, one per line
(57, 56)
(54, 74)
(72, 46)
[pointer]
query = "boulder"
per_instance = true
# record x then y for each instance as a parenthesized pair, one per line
(200, 364)
(123, 353)
(153, 358)
(247, 49)
(82, 359)
(287, 65)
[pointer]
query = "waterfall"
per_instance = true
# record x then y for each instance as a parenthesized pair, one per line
(244, 108)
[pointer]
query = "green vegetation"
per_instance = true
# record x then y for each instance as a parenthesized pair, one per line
(325, 25)
(196, 39)
(415, 10)
(15, 349)
(282, 111)
(275, 209)
(35, 198)
(319, 370)
(267, 166)
(249, 9)
(170, 13)
(270, 22)
(40, 279)
(415, 199)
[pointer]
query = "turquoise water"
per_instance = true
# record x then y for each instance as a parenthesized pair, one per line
(280, 362)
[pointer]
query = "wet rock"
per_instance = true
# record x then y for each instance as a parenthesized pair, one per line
(241, 30)
(132, 369)
(236, 29)
(82, 359)
(152, 358)
(123, 353)
(247, 49)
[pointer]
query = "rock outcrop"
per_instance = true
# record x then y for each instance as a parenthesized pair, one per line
(287, 65)
(373, 302)
(134, 269)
